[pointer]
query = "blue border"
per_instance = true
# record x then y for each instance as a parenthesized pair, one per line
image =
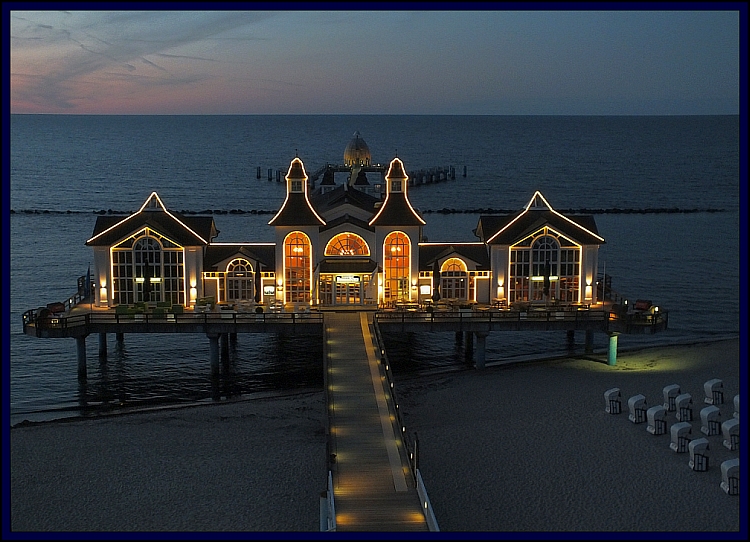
(741, 7)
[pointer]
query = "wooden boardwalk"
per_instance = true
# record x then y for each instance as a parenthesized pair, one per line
(373, 486)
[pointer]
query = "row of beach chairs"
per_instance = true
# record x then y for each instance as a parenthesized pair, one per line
(682, 405)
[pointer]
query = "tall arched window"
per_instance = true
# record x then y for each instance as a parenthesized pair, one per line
(454, 279)
(544, 260)
(396, 261)
(147, 267)
(239, 280)
(297, 270)
(347, 244)
(166, 269)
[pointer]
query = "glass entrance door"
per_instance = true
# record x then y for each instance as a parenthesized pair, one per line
(348, 291)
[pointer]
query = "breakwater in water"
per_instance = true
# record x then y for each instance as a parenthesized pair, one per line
(445, 210)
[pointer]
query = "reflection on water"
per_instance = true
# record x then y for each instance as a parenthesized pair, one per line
(131, 377)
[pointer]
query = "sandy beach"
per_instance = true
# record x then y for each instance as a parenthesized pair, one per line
(256, 465)
(529, 447)
(523, 447)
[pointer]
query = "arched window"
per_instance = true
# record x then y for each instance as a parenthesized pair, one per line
(165, 270)
(544, 260)
(147, 269)
(239, 280)
(540, 261)
(454, 279)
(347, 244)
(397, 258)
(297, 269)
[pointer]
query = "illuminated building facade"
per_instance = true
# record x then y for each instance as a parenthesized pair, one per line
(344, 245)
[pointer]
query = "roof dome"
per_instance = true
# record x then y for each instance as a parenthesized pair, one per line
(357, 152)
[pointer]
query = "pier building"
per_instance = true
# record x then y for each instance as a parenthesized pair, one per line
(341, 244)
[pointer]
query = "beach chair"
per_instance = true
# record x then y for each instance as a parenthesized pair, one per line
(670, 394)
(714, 390)
(612, 401)
(684, 407)
(698, 449)
(657, 423)
(730, 476)
(730, 430)
(710, 420)
(680, 433)
(637, 409)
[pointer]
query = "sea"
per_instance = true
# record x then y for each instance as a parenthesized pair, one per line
(665, 192)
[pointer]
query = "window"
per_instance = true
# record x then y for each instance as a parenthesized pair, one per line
(397, 262)
(347, 244)
(148, 267)
(528, 268)
(454, 279)
(239, 280)
(296, 186)
(297, 271)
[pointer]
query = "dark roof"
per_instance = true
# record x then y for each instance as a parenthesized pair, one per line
(347, 219)
(342, 195)
(328, 177)
(296, 211)
(347, 265)
(175, 227)
(397, 211)
(476, 252)
(361, 178)
(263, 253)
(579, 228)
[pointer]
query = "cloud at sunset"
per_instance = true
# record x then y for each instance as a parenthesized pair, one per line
(374, 62)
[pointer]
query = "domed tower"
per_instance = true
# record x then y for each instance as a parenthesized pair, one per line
(356, 156)
(357, 153)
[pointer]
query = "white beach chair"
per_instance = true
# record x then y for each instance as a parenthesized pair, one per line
(730, 429)
(680, 433)
(730, 476)
(714, 390)
(698, 449)
(637, 408)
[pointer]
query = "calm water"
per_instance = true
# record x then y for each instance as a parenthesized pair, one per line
(64, 169)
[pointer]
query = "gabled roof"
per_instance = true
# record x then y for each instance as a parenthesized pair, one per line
(265, 253)
(296, 209)
(347, 219)
(396, 209)
(537, 214)
(476, 252)
(342, 195)
(183, 230)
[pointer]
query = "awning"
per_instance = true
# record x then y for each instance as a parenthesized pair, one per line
(348, 266)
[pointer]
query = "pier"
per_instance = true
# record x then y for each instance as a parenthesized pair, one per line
(374, 487)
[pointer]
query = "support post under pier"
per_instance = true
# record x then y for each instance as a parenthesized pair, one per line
(120, 338)
(103, 346)
(213, 348)
(612, 353)
(81, 355)
(589, 342)
(225, 346)
(469, 349)
(481, 349)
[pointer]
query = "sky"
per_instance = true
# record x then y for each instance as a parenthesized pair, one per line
(361, 62)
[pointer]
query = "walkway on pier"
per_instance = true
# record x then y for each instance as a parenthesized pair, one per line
(372, 482)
